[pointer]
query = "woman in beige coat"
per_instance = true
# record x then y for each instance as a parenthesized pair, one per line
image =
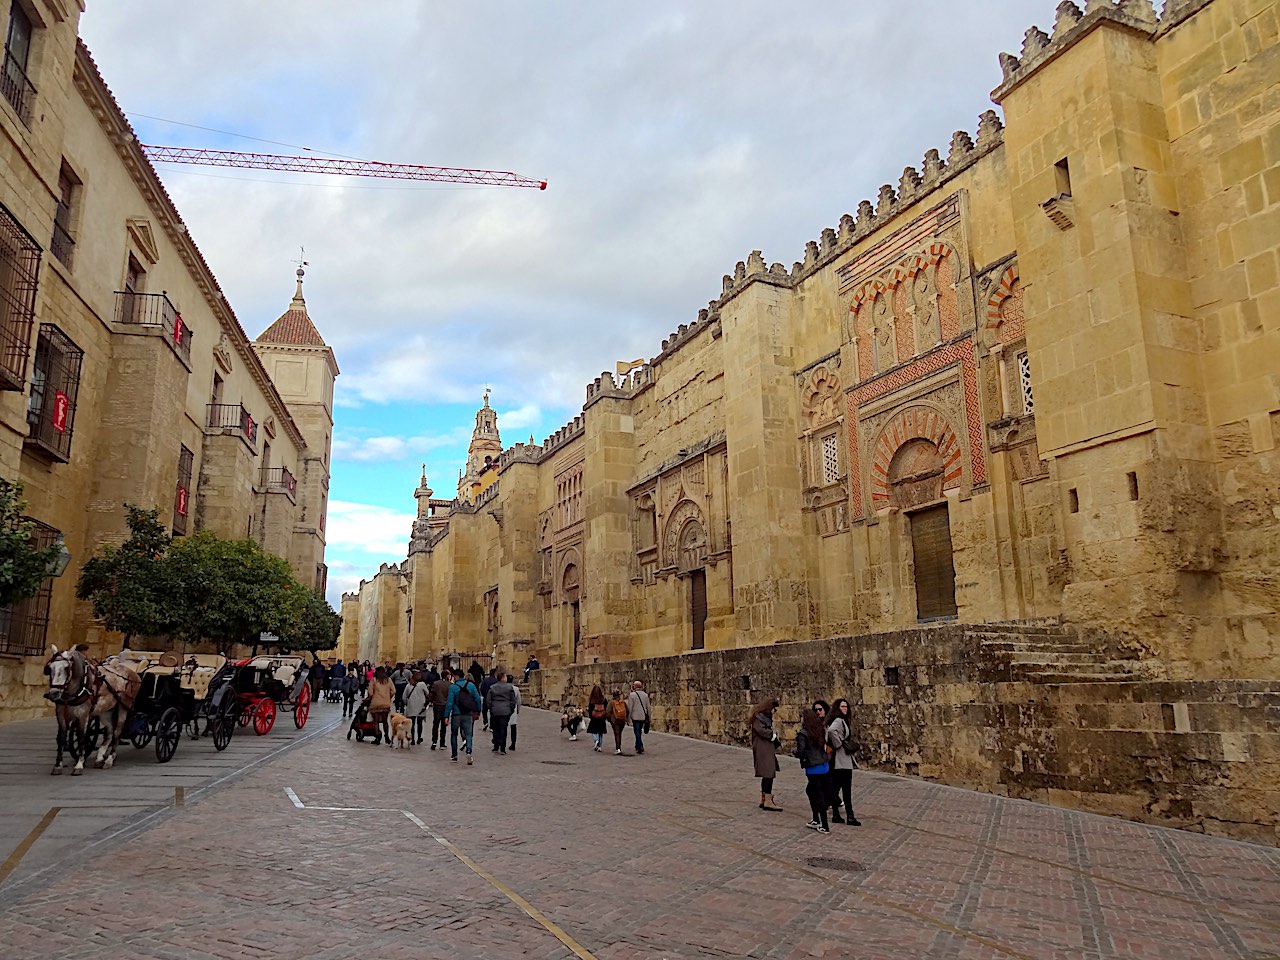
(764, 744)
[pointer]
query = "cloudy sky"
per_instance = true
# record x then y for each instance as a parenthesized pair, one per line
(676, 137)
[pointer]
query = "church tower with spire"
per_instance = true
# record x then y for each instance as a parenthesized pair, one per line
(303, 368)
(482, 454)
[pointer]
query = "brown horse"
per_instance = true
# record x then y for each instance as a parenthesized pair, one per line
(82, 689)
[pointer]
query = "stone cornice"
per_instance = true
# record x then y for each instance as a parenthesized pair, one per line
(102, 103)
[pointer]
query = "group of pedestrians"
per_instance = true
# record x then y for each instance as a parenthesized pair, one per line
(825, 748)
(616, 712)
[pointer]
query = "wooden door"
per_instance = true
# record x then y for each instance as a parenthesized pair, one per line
(577, 627)
(698, 606)
(935, 573)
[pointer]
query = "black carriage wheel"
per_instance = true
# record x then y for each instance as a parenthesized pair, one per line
(142, 737)
(168, 733)
(223, 728)
(92, 734)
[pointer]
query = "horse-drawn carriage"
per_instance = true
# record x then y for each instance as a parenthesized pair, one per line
(270, 684)
(194, 693)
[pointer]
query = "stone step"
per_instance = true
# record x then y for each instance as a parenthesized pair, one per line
(1054, 657)
(1011, 646)
(1065, 676)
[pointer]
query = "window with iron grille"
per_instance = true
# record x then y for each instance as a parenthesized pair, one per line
(15, 86)
(24, 626)
(182, 496)
(55, 382)
(1024, 378)
(830, 459)
(19, 270)
(62, 244)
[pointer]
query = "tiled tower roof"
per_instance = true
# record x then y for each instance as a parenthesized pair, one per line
(294, 325)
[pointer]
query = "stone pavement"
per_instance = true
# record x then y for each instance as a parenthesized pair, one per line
(101, 803)
(559, 852)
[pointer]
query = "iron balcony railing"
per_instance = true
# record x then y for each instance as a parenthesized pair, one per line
(279, 478)
(17, 89)
(233, 417)
(155, 310)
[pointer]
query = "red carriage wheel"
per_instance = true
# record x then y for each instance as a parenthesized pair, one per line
(244, 712)
(302, 707)
(264, 716)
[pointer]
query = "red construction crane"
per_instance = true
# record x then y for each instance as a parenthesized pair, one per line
(350, 168)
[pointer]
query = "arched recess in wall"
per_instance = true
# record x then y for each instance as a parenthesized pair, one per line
(1005, 307)
(915, 423)
(673, 539)
(570, 578)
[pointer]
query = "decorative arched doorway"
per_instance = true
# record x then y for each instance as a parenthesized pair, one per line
(693, 557)
(915, 478)
(571, 591)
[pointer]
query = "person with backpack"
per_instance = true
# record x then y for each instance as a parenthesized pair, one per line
(461, 712)
(500, 699)
(350, 687)
(417, 696)
(638, 707)
(597, 711)
(811, 751)
(439, 703)
(485, 684)
(764, 749)
(618, 714)
(840, 739)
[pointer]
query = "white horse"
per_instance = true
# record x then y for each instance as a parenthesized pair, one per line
(82, 689)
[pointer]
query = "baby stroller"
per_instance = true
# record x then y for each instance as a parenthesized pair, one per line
(334, 692)
(362, 724)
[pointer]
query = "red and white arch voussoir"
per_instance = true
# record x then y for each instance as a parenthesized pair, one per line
(915, 423)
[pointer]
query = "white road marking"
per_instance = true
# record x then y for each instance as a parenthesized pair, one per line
(294, 797)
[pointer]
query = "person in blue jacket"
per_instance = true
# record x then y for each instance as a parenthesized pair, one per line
(461, 712)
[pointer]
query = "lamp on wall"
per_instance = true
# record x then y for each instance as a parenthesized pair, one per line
(61, 560)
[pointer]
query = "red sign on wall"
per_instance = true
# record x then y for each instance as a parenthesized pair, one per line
(179, 331)
(61, 409)
(181, 505)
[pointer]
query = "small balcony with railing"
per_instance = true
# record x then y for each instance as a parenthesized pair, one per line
(232, 419)
(279, 480)
(15, 86)
(155, 312)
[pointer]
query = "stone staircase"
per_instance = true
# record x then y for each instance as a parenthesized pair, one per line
(1046, 651)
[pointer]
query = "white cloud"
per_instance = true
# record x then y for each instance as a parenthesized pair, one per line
(392, 449)
(364, 528)
(520, 419)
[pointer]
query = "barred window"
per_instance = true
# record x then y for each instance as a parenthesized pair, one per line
(62, 244)
(55, 383)
(24, 626)
(19, 270)
(1024, 378)
(182, 496)
(830, 459)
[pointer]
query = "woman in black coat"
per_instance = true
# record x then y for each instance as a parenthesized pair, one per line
(811, 749)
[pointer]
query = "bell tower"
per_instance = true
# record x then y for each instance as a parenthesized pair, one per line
(482, 454)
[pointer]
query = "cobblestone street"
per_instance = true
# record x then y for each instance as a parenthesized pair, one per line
(338, 849)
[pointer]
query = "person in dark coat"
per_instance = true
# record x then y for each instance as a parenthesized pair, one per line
(764, 749)
(811, 750)
(597, 709)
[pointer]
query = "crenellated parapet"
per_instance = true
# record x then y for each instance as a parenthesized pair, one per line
(915, 183)
(351, 597)
(570, 431)
(519, 453)
(1071, 24)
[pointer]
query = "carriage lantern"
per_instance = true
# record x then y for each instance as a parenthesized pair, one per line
(62, 559)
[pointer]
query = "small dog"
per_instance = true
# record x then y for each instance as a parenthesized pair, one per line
(401, 731)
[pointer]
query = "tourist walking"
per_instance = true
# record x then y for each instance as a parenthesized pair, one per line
(316, 677)
(381, 693)
(764, 749)
(417, 697)
(485, 684)
(462, 710)
(350, 687)
(439, 703)
(639, 709)
(811, 749)
(400, 678)
(500, 702)
(515, 714)
(618, 713)
(597, 710)
(477, 673)
(840, 740)
(571, 719)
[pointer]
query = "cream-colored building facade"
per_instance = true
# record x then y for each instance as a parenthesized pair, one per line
(1034, 379)
(126, 376)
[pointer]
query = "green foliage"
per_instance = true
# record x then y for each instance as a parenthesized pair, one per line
(318, 627)
(129, 585)
(231, 590)
(23, 566)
